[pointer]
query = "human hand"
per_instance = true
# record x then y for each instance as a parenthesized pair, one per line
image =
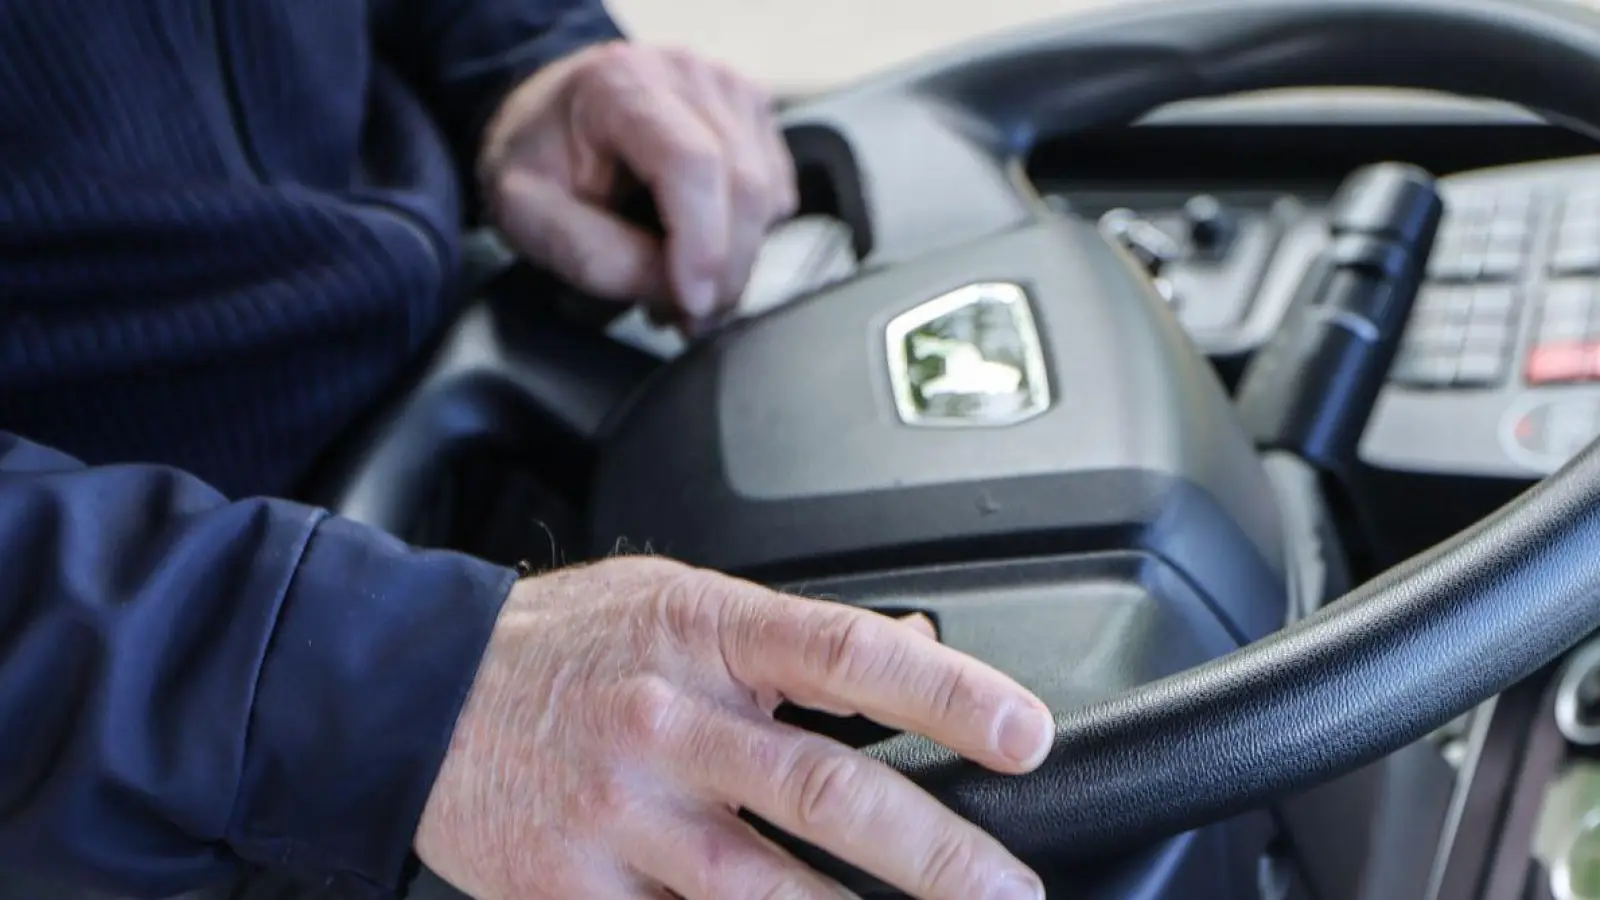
(700, 138)
(623, 715)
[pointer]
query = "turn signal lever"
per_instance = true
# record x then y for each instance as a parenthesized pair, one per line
(1311, 389)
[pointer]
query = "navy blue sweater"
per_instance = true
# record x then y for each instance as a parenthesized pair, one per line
(225, 227)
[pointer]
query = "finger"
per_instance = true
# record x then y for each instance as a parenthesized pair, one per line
(754, 173)
(917, 622)
(763, 115)
(633, 113)
(582, 243)
(749, 111)
(712, 855)
(849, 805)
(834, 656)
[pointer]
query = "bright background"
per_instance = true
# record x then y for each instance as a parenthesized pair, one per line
(800, 46)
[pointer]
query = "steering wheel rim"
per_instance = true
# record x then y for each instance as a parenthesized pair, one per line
(1395, 658)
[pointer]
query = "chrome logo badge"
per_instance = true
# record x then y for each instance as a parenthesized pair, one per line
(969, 358)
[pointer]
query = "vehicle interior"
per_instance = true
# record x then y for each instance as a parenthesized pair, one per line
(1173, 362)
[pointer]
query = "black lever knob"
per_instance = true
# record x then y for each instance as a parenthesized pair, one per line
(1212, 225)
(1311, 389)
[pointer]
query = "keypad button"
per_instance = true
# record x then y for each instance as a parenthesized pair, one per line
(1578, 218)
(1577, 246)
(1483, 237)
(1515, 200)
(1575, 259)
(1480, 369)
(1567, 299)
(1471, 202)
(1558, 363)
(1444, 302)
(1419, 368)
(1493, 301)
(1508, 233)
(1440, 337)
(1501, 266)
(1553, 331)
(1455, 266)
(1486, 335)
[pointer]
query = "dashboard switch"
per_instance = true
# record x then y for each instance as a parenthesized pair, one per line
(1212, 226)
(1478, 369)
(1150, 245)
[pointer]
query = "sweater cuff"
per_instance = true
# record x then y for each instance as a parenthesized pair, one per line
(376, 647)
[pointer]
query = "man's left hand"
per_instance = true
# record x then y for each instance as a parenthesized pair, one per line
(698, 136)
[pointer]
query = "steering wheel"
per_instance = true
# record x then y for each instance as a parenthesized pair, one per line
(926, 163)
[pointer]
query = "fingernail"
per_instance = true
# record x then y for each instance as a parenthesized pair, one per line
(1016, 886)
(700, 299)
(1025, 735)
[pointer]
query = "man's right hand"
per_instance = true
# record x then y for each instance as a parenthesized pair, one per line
(623, 716)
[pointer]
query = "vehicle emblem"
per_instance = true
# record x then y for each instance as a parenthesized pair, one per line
(969, 358)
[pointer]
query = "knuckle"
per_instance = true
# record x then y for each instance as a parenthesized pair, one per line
(650, 708)
(690, 606)
(611, 61)
(698, 162)
(750, 188)
(680, 55)
(706, 868)
(843, 647)
(828, 790)
(788, 200)
(760, 98)
(952, 690)
(951, 868)
(610, 800)
(592, 272)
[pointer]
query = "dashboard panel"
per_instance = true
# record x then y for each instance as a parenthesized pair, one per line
(1500, 371)
(1499, 375)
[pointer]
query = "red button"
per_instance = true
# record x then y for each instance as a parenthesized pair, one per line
(1592, 355)
(1558, 362)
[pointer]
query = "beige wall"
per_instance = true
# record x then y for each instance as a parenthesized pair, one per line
(800, 46)
(796, 46)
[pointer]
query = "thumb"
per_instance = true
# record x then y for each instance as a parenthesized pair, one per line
(586, 245)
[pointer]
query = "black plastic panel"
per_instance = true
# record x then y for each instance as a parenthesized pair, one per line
(1074, 629)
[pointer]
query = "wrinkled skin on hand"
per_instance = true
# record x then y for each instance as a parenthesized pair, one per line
(623, 715)
(699, 136)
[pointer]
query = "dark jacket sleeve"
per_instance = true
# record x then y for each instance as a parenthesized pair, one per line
(187, 682)
(465, 56)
